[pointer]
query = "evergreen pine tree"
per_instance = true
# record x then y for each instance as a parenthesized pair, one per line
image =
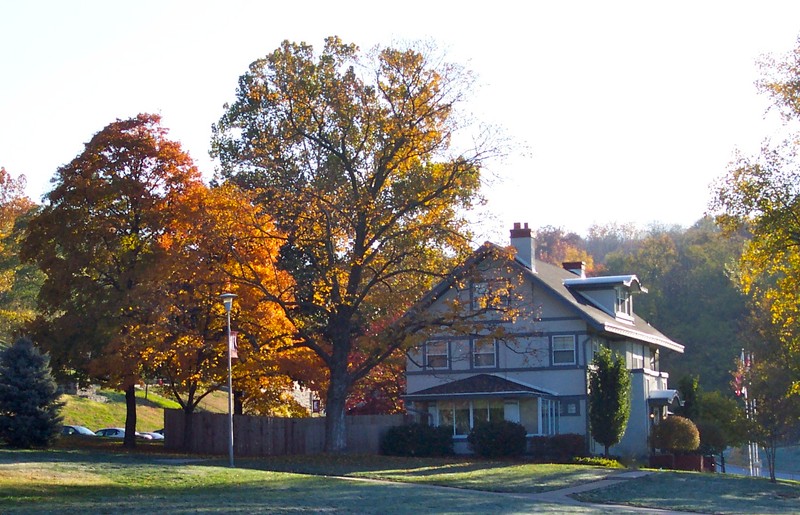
(29, 407)
(609, 398)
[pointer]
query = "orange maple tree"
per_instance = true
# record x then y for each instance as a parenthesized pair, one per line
(96, 239)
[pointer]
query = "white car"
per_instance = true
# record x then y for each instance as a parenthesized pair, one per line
(111, 432)
(118, 432)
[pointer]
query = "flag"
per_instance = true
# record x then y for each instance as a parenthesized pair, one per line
(233, 347)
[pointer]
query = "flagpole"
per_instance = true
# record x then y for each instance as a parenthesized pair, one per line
(227, 300)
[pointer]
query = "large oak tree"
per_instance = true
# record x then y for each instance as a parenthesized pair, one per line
(353, 156)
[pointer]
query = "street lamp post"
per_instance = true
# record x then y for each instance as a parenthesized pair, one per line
(227, 301)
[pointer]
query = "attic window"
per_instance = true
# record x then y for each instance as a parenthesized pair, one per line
(490, 295)
(624, 303)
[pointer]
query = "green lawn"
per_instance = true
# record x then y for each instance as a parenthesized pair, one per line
(493, 476)
(89, 483)
(705, 493)
(110, 480)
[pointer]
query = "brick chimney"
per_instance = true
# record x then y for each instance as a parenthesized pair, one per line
(576, 267)
(525, 245)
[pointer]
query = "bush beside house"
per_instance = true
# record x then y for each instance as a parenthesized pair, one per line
(560, 448)
(498, 439)
(677, 438)
(417, 440)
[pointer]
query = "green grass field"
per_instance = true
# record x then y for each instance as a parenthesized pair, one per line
(111, 480)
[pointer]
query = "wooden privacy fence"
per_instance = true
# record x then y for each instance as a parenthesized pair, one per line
(270, 436)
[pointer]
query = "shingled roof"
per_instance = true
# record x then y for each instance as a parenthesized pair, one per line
(481, 385)
(564, 285)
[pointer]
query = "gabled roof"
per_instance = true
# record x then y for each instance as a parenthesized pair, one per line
(566, 287)
(481, 385)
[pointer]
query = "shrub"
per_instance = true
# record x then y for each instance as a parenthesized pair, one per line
(540, 447)
(497, 439)
(568, 445)
(676, 434)
(561, 447)
(417, 440)
(597, 461)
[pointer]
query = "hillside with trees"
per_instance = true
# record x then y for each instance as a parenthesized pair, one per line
(692, 297)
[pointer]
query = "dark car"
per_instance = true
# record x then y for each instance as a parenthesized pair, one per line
(76, 430)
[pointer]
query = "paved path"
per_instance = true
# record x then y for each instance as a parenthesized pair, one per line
(562, 496)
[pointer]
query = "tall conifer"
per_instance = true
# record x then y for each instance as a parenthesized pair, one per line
(29, 407)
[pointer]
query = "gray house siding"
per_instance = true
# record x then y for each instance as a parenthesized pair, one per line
(545, 351)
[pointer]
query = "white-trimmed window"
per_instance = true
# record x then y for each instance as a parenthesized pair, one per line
(437, 354)
(624, 304)
(484, 353)
(563, 349)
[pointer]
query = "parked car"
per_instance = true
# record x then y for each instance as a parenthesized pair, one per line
(111, 432)
(154, 435)
(118, 432)
(76, 430)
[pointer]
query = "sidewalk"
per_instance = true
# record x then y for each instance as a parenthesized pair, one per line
(562, 496)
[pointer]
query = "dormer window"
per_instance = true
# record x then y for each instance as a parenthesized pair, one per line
(624, 304)
(613, 294)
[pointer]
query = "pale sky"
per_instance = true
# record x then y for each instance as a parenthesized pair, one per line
(622, 111)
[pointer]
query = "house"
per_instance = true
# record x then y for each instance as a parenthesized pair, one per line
(534, 330)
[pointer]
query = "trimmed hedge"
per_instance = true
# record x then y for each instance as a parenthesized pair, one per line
(497, 439)
(560, 448)
(676, 434)
(417, 440)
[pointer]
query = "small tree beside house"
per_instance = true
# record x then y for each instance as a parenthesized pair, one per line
(609, 398)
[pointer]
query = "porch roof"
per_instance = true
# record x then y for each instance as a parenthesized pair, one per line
(664, 398)
(481, 385)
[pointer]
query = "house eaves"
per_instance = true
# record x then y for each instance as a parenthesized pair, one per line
(557, 280)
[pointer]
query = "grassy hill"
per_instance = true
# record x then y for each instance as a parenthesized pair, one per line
(107, 409)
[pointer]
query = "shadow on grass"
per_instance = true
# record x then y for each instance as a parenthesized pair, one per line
(456, 472)
(85, 482)
(702, 492)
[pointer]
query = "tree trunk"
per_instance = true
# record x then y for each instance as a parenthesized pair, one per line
(335, 429)
(238, 402)
(769, 452)
(188, 428)
(130, 417)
